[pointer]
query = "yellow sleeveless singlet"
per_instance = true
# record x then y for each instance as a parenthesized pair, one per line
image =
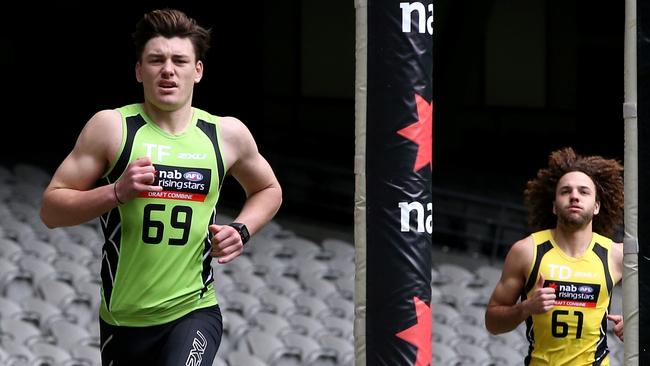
(574, 331)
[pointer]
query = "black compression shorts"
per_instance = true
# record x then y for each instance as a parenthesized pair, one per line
(191, 340)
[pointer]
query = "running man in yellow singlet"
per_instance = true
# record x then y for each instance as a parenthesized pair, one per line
(564, 272)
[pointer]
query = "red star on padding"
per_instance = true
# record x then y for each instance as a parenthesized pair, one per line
(419, 334)
(421, 133)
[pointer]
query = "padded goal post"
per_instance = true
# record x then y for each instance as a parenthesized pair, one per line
(393, 172)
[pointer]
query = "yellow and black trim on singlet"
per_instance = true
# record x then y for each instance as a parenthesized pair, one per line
(574, 331)
(156, 263)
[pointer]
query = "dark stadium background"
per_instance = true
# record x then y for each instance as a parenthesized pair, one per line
(511, 83)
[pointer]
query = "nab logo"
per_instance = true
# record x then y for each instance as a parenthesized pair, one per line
(193, 176)
(405, 216)
(421, 16)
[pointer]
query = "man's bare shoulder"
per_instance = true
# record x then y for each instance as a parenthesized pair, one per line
(523, 245)
(520, 254)
(103, 124)
(617, 251)
(106, 116)
(238, 140)
(102, 134)
(232, 127)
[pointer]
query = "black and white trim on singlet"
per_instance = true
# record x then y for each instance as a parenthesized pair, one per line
(542, 249)
(111, 221)
(208, 274)
(601, 347)
(210, 130)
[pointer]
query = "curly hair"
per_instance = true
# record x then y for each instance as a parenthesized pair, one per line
(606, 175)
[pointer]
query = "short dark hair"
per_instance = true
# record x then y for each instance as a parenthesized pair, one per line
(606, 175)
(170, 23)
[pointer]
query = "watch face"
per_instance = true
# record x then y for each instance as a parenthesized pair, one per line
(243, 231)
(245, 235)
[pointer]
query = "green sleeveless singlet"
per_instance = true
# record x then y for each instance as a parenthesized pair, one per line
(155, 258)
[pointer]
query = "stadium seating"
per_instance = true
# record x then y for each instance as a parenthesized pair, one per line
(287, 301)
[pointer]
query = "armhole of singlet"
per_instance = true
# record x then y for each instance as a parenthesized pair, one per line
(116, 158)
(540, 250)
(210, 128)
(603, 248)
(532, 265)
(132, 124)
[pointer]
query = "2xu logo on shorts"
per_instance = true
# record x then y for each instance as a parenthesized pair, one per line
(198, 348)
(181, 183)
(582, 295)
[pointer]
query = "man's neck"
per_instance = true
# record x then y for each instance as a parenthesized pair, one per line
(573, 242)
(173, 122)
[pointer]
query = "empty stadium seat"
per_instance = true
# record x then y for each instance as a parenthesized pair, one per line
(17, 353)
(472, 334)
(269, 348)
(505, 355)
(218, 361)
(49, 354)
(284, 285)
(244, 358)
(279, 304)
(10, 309)
(456, 274)
(86, 353)
(445, 313)
(234, 325)
(444, 355)
(10, 250)
(339, 248)
(339, 327)
(250, 282)
(42, 312)
(313, 306)
(241, 302)
(307, 325)
(271, 323)
(302, 247)
(38, 269)
(40, 249)
(444, 333)
(472, 353)
(15, 284)
(21, 331)
(343, 348)
(311, 352)
(69, 335)
(342, 307)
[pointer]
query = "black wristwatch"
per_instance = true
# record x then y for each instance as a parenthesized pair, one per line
(242, 230)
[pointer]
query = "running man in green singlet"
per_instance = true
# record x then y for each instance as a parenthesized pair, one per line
(163, 163)
(565, 271)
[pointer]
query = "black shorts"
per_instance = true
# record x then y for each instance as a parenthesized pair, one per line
(191, 340)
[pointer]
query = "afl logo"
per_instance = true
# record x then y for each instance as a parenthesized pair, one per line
(193, 176)
(586, 289)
